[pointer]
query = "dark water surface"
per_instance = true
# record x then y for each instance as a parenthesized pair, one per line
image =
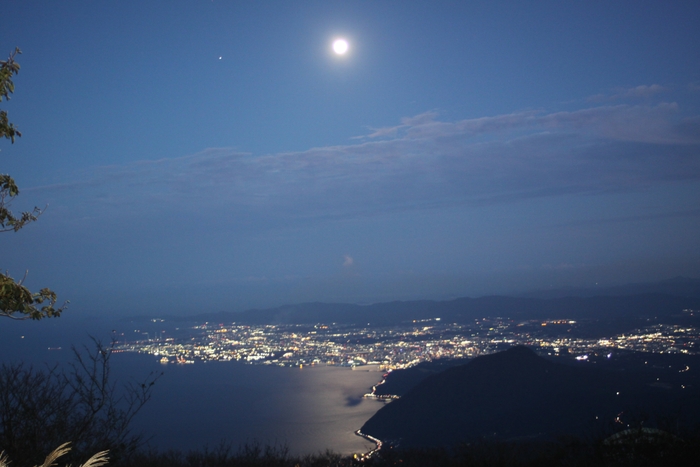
(309, 410)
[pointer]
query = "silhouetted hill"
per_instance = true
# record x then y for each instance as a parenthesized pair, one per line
(464, 310)
(399, 382)
(516, 395)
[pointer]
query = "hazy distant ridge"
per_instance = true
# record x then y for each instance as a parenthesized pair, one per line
(464, 310)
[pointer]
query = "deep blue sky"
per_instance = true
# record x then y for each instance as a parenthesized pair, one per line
(217, 155)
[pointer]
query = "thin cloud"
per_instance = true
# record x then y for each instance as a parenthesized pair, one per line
(642, 91)
(427, 163)
(348, 261)
(380, 133)
(421, 119)
(636, 218)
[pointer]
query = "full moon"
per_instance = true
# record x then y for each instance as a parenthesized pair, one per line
(340, 46)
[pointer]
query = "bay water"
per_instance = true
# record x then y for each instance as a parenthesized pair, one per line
(308, 410)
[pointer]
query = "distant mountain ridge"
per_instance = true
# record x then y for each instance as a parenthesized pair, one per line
(662, 299)
(465, 310)
(516, 394)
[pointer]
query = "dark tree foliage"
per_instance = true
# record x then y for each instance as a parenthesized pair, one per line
(8, 68)
(573, 452)
(16, 301)
(248, 455)
(42, 409)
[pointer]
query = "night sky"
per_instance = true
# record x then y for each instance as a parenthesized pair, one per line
(213, 155)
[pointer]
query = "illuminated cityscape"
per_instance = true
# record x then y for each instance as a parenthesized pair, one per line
(395, 347)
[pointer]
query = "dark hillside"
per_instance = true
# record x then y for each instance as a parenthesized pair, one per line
(399, 382)
(517, 395)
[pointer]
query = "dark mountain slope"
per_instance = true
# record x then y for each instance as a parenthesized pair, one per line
(516, 394)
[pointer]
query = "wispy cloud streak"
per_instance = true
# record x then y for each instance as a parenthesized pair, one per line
(420, 163)
(642, 91)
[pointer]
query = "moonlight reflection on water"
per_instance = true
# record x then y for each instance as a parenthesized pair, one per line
(310, 409)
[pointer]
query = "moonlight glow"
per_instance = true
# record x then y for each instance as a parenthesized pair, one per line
(340, 46)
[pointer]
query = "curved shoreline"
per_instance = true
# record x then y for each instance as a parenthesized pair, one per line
(372, 452)
(377, 441)
(373, 395)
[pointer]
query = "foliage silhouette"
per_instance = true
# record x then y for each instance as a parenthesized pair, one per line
(41, 409)
(98, 460)
(17, 301)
